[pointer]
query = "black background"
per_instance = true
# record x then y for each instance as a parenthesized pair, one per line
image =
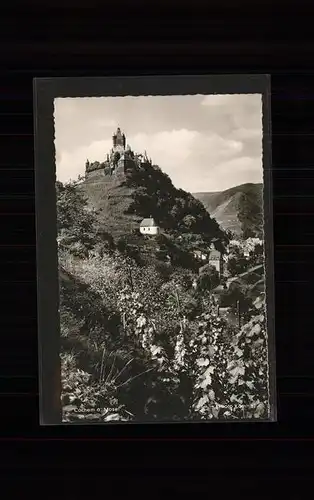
(121, 38)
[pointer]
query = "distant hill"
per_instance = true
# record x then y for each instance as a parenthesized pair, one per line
(238, 209)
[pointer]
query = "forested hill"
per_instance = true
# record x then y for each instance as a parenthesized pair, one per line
(238, 209)
(147, 191)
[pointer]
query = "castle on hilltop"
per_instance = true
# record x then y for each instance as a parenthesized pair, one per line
(119, 160)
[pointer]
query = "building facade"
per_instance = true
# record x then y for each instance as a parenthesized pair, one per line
(215, 259)
(148, 226)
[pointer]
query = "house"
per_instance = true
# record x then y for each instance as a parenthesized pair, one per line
(216, 260)
(200, 255)
(149, 226)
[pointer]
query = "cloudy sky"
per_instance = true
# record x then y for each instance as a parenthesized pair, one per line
(204, 143)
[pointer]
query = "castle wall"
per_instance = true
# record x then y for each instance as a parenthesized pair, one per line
(118, 148)
(124, 164)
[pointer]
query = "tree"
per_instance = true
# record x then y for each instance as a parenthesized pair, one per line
(208, 279)
(75, 222)
(189, 221)
(237, 263)
(122, 244)
(238, 292)
(257, 255)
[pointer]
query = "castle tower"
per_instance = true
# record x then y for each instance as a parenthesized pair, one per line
(119, 141)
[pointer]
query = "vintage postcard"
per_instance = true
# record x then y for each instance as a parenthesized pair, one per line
(155, 252)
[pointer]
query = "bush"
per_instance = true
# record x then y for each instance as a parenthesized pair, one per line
(76, 223)
(228, 369)
(85, 399)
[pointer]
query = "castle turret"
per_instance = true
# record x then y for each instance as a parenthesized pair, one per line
(118, 140)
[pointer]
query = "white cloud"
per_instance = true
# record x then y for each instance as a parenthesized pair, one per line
(245, 134)
(167, 146)
(70, 164)
(65, 107)
(234, 172)
(106, 123)
(237, 166)
(244, 111)
(218, 100)
(233, 100)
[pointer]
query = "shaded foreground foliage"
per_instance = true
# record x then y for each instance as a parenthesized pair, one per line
(146, 342)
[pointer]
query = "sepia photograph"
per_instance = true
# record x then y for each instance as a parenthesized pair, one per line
(160, 241)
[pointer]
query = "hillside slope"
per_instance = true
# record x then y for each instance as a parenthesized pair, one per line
(238, 209)
(112, 203)
(120, 205)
